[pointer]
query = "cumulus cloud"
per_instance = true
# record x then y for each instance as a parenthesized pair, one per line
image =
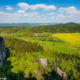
(51, 13)
(9, 14)
(1, 12)
(9, 8)
(29, 13)
(18, 17)
(26, 14)
(43, 6)
(70, 10)
(26, 6)
(4, 13)
(21, 11)
(64, 16)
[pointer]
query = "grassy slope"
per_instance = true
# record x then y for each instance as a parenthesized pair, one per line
(58, 46)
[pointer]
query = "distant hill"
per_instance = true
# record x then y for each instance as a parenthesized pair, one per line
(38, 28)
(25, 24)
(19, 24)
(58, 28)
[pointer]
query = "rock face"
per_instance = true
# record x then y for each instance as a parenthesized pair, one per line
(43, 62)
(61, 73)
(2, 52)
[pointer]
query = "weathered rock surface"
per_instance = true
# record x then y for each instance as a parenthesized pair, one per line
(2, 52)
(43, 62)
(61, 73)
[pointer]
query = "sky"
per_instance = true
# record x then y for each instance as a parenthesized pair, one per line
(39, 11)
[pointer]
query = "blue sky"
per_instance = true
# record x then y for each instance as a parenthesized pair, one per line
(39, 11)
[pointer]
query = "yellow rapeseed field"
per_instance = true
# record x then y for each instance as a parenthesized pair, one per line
(72, 38)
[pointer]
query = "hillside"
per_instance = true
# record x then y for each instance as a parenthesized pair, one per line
(42, 52)
(58, 28)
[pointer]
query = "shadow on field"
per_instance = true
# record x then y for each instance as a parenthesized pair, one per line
(52, 76)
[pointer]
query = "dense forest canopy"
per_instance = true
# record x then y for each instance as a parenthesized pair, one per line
(58, 28)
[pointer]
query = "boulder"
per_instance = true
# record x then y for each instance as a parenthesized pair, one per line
(43, 62)
(61, 73)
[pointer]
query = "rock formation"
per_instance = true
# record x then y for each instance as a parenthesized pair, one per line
(2, 52)
(61, 73)
(43, 62)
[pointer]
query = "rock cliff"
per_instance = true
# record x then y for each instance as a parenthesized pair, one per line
(2, 52)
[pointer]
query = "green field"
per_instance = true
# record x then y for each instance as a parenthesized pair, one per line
(58, 46)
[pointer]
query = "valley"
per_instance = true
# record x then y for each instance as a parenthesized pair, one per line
(58, 45)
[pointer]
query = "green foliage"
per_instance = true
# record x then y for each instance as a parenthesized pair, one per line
(27, 64)
(26, 45)
(59, 28)
(29, 31)
(5, 72)
(21, 46)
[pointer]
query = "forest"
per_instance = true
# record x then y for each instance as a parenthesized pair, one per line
(25, 46)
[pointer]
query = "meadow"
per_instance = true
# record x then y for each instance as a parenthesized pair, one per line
(57, 46)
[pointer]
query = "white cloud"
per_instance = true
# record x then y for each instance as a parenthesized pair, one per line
(43, 6)
(64, 16)
(4, 13)
(71, 14)
(26, 6)
(70, 10)
(9, 8)
(21, 11)
(19, 14)
(33, 14)
(17, 17)
(51, 13)
(9, 14)
(30, 14)
(1, 12)
(26, 14)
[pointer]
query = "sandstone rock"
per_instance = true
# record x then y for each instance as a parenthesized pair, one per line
(43, 62)
(2, 51)
(61, 73)
(64, 75)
